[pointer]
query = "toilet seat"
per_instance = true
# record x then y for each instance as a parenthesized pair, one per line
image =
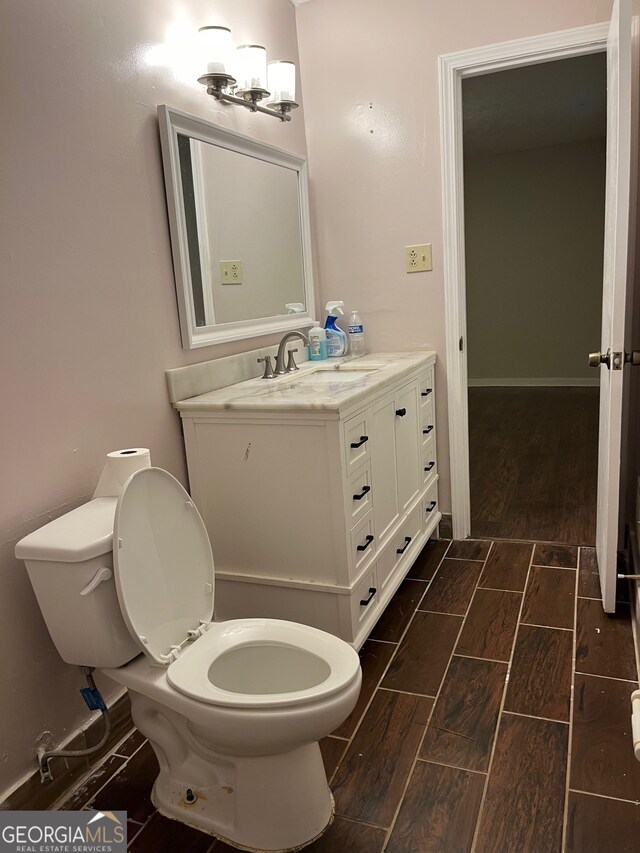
(162, 564)
(296, 663)
(164, 573)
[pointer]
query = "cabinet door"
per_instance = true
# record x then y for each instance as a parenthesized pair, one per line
(383, 465)
(407, 445)
(395, 456)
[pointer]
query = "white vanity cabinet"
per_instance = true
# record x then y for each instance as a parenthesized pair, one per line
(317, 506)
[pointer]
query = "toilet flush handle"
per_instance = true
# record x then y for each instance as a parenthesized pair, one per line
(103, 574)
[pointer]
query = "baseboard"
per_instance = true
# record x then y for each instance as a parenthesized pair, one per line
(543, 382)
(34, 795)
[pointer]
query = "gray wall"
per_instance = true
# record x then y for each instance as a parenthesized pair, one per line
(534, 240)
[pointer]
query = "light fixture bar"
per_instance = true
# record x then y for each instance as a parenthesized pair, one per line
(216, 84)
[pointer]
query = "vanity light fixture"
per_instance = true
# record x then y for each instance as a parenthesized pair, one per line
(244, 79)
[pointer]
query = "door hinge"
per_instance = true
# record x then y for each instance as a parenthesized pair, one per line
(461, 344)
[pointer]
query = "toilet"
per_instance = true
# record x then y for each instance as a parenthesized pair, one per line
(233, 710)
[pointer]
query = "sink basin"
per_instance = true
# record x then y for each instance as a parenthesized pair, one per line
(334, 373)
(352, 365)
(329, 377)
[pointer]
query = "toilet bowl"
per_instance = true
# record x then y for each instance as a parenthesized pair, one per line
(233, 710)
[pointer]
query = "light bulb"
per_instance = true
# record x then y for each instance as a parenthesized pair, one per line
(282, 80)
(251, 66)
(217, 49)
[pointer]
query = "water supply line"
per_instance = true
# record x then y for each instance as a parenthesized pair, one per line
(95, 702)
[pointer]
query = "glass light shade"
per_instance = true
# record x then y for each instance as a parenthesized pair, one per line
(282, 80)
(251, 66)
(216, 49)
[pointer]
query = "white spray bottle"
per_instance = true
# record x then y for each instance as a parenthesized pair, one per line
(337, 343)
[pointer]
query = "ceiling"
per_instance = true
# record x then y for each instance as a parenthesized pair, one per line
(553, 103)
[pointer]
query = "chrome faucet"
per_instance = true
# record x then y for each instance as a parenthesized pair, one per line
(291, 365)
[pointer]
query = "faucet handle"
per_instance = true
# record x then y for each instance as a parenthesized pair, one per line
(268, 367)
(291, 362)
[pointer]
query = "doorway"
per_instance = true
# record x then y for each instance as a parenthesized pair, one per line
(534, 148)
(454, 69)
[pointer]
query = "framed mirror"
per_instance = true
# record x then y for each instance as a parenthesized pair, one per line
(239, 221)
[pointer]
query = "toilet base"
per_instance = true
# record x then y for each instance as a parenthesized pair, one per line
(266, 803)
(165, 808)
(272, 803)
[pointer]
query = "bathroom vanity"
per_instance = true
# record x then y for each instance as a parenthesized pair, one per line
(318, 489)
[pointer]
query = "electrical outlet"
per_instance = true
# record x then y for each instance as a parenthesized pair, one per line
(418, 258)
(231, 272)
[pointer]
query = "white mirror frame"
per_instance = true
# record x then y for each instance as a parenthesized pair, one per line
(172, 123)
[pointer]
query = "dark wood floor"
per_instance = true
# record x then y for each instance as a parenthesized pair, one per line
(494, 717)
(533, 463)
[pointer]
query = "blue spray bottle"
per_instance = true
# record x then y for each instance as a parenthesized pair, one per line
(337, 343)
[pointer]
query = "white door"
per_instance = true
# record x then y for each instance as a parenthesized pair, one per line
(617, 272)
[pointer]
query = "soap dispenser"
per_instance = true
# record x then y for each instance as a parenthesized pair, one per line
(317, 342)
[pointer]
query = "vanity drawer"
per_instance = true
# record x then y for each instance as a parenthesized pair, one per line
(363, 544)
(429, 463)
(365, 598)
(400, 543)
(356, 437)
(425, 386)
(359, 496)
(429, 505)
(427, 423)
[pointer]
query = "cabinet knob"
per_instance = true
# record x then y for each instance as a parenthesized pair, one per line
(363, 439)
(368, 541)
(427, 430)
(365, 601)
(407, 540)
(426, 392)
(431, 507)
(364, 491)
(429, 466)
(401, 412)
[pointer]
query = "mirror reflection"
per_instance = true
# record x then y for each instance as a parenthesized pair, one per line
(242, 216)
(239, 219)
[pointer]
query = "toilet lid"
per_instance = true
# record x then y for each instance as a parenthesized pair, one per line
(162, 563)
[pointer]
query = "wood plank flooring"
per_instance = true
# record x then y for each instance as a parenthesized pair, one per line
(533, 463)
(494, 717)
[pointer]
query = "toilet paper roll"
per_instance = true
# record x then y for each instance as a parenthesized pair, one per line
(120, 465)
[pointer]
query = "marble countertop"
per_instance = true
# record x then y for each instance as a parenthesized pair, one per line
(323, 386)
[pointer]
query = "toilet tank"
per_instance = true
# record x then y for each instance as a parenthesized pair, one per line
(70, 565)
